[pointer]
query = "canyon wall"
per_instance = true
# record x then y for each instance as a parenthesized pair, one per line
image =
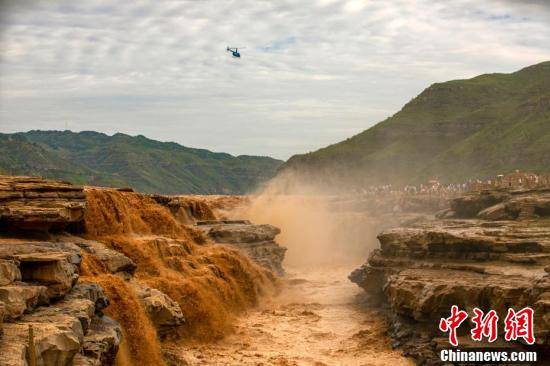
(489, 250)
(108, 276)
(47, 316)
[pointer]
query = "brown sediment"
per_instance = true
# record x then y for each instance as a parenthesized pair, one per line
(142, 344)
(221, 206)
(187, 209)
(123, 357)
(314, 320)
(91, 266)
(211, 283)
(111, 212)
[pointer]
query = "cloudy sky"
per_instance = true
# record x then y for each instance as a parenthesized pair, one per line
(313, 71)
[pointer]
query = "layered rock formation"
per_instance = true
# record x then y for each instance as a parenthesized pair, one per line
(208, 214)
(420, 271)
(257, 241)
(178, 283)
(501, 205)
(35, 203)
(80, 270)
(48, 319)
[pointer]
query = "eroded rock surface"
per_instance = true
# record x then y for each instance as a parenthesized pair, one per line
(52, 260)
(36, 203)
(257, 241)
(502, 205)
(162, 310)
(114, 262)
(60, 331)
(42, 308)
(419, 272)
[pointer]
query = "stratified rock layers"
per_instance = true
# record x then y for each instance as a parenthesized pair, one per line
(48, 319)
(181, 285)
(36, 203)
(419, 272)
(82, 269)
(257, 241)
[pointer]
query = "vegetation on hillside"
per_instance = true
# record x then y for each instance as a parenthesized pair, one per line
(121, 160)
(452, 131)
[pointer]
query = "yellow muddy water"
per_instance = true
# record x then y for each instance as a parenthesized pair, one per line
(316, 320)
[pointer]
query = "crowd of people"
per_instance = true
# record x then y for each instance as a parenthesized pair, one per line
(514, 180)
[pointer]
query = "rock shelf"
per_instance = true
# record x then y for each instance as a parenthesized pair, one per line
(471, 259)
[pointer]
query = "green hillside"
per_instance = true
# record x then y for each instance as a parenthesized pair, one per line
(453, 131)
(121, 160)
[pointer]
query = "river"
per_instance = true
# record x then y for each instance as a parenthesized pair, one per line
(317, 319)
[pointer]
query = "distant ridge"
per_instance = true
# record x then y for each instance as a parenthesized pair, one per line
(455, 130)
(121, 160)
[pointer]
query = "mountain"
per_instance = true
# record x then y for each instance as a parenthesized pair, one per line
(453, 131)
(136, 161)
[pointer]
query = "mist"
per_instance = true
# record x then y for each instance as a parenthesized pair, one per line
(314, 227)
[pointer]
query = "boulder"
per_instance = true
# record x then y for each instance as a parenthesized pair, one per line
(240, 233)
(529, 205)
(164, 312)
(496, 212)
(256, 241)
(42, 308)
(13, 346)
(113, 261)
(56, 341)
(92, 292)
(9, 272)
(425, 294)
(20, 298)
(499, 205)
(11, 249)
(469, 205)
(82, 310)
(101, 343)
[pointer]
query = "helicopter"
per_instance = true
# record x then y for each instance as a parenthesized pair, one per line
(234, 51)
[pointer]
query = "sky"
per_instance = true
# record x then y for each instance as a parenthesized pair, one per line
(312, 72)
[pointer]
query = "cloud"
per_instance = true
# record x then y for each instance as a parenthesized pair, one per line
(313, 71)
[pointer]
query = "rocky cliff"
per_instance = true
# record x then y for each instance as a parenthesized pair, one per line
(47, 317)
(33, 203)
(104, 276)
(489, 250)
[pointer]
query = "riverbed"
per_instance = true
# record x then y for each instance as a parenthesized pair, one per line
(316, 319)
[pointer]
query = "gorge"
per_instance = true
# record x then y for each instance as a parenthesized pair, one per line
(103, 276)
